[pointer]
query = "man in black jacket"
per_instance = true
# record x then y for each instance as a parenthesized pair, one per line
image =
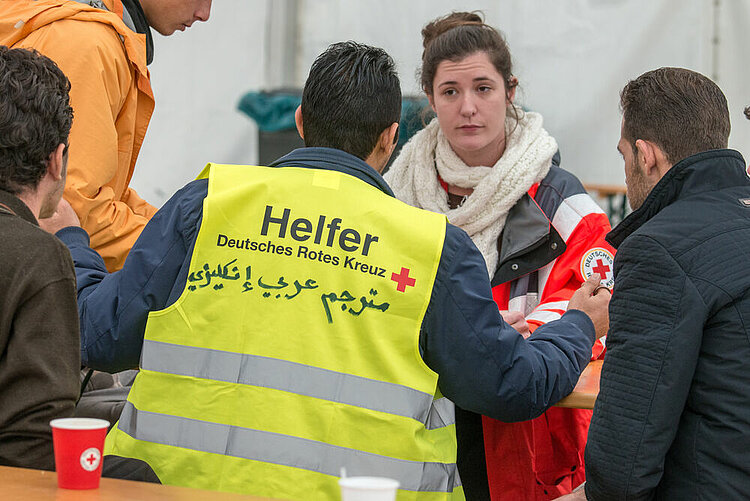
(672, 420)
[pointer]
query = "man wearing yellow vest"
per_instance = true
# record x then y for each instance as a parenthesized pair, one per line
(295, 319)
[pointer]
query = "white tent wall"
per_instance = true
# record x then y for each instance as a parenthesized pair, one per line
(572, 57)
(198, 77)
(732, 70)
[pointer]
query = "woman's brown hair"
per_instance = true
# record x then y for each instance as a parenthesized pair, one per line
(458, 35)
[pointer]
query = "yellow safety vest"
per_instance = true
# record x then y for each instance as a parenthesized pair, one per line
(294, 349)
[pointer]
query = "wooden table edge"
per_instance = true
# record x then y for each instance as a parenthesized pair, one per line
(584, 394)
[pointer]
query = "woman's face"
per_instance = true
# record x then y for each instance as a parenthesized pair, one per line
(470, 100)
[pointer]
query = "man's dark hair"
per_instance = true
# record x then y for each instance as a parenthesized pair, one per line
(35, 116)
(681, 111)
(351, 96)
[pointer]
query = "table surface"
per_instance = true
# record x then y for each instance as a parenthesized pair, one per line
(587, 388)
(24, 484)
(606, 189)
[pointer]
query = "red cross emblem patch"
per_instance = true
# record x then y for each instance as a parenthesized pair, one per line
(599, 261)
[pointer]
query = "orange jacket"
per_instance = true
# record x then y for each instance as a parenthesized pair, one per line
(112, 103)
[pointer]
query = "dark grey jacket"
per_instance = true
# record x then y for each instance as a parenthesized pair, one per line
(673, 417)
(39, 340)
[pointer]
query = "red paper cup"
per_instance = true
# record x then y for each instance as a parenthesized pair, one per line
(78, 446)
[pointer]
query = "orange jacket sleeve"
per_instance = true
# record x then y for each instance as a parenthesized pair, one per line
(110, 119)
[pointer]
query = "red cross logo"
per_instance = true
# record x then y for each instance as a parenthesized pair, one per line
(601, 269)
(598, 261)
(403, 279)
(91, 459)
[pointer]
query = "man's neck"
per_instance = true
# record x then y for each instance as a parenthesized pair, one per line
(377, 161)
(33, 201)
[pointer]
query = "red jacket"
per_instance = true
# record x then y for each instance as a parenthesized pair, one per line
(552, 240)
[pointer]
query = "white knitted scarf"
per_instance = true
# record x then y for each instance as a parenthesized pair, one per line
(526, 160)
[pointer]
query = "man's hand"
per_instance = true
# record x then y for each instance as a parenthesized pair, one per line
(63, 217)
(594, 302)
(516, 320)
(573, 496)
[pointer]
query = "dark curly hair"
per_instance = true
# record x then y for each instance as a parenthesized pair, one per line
(35, 116)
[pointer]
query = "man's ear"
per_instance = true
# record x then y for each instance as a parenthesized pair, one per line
(389, 138)
(298, 121)
(56, 163)
(652, 159)
(384, 146)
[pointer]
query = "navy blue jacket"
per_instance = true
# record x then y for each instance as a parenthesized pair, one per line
(484, 365)
(672, 420)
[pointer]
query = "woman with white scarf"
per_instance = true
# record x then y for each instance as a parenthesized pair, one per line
(493, 170)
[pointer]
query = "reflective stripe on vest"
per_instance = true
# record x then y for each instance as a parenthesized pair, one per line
(294, 349)
(276, 448)
(297, 378)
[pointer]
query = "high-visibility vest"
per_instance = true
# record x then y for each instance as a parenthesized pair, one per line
(294, 349)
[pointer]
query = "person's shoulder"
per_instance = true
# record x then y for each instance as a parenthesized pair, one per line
(456, 237)
(37, 250)
(86, 36)
(683, 220)
(656, 245)
(184, 209)
(704, 225)
(564, 200)
(457, 247)
(20, 230)
(192, 194)
(562, 181)
(53, 252)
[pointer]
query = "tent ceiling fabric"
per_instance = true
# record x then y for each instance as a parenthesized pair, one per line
(572, 58)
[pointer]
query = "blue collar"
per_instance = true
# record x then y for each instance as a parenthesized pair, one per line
(336, 160)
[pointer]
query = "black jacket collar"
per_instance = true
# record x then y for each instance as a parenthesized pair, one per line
(706, 171)
(16, 206)
(332, 159)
